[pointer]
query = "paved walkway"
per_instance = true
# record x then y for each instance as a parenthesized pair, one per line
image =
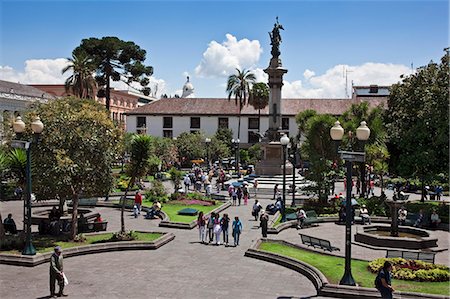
(184, 268)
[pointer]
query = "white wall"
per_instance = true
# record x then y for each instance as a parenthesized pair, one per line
(208, 125)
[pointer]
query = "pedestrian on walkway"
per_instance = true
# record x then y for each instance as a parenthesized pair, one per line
(217, 228)
(56, 273)
(264, 222)
(210, 227)
(201, 222)
(255, 209)
(237, 230)
(187, 183)
(239, 195)
(246, 194)
(255, 186)
(234, 196)
(138, 201)
(383, 281)
(224, 224)
(275, 191)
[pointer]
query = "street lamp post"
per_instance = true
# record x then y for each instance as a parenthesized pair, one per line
(362, 133)
(235, 143)
(294, 162)
(19, 127)
(284, 140)
(207, 142)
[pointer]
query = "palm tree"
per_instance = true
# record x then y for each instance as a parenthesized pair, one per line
(81, 82)
(239, 86)
(139, 164)
(259, 99)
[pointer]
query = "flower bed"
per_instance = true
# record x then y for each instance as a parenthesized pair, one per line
(412, 269)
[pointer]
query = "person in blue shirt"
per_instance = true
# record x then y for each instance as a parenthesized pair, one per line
(237, 229)
(383, 281)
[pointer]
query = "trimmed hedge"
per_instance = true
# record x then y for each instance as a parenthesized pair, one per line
(412, 269)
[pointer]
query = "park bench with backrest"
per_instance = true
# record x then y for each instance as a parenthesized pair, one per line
(411, 219)
(317, 243)
(87, 202)
(90, 227)
(412, 255)
(311, 218)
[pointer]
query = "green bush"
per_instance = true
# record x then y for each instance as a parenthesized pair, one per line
(441, 209)
(376, 205)
(123, 236)
(319, 207)
(157, 191)
(412, 269)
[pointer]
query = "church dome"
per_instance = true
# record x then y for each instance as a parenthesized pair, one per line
(188, 89)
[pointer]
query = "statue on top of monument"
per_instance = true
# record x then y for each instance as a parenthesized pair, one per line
(275, 38)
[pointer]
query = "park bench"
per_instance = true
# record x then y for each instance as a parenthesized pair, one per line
(87, 202)
(412, 217)
(317, 243)
(93, 227)
(129, 202)
(412, 255)
(311, 218)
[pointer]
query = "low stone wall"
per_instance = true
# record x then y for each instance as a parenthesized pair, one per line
(320, 282)
(40, 258)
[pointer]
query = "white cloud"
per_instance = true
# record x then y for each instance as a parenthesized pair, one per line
(220, 60)
(37, 71)
(331, 84)
(48, 71)
(308, 74)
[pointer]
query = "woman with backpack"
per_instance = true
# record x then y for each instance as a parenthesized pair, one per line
(237, 229)
(383, 281)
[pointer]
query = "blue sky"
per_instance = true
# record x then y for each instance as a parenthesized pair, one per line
(374, 41)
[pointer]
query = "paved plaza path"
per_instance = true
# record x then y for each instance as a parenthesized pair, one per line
(183, 268)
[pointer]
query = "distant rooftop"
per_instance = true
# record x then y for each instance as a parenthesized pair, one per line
(23, 90)
(372, 91)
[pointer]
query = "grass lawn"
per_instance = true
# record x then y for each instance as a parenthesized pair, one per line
(47, 243)
(172, 211)
(333, 269)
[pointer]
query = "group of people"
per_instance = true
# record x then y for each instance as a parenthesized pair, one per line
(210, 229)
(238, 193)
(198, 178)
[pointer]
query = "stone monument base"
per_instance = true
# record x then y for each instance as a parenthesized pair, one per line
(272, 161)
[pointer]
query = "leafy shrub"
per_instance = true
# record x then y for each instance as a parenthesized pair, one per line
(123, 236)
(79, 238)
(320, 207)
(441, 209)
(156, 192)
(412, 269)
(12, 242)
(376, 205)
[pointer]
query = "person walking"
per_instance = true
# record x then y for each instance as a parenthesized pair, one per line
(217, 228)
(201, 222)
(264, 222)
(275, 191)
(255, 186)
(138, 201)
(239, 195)
(56, 273)
(237, 230)
(246, 194)
(224, 224)
(301, 216)
(187, 183)
(234, 195)
(210, 226)
(255, 209)
(383, 281)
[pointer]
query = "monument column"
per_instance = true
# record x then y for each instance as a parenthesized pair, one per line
(273, 160)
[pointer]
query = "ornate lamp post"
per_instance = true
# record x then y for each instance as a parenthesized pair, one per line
(19, 127)
(284, 140)
(207, 142)
(362, 133)
(294, 163)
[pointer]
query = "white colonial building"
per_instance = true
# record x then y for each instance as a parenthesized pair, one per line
(170, 117)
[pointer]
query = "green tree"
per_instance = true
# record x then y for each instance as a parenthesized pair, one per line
(176, 176)
(190, 146)
(166, 150)
(76, 152)
(81, 83)
(218, 149)
(377, 155)
(137, 168)
(117, 60)
(239, 86)
(17, 162)
(259, 99)
(318, 148)
(225, 135)
(417, 122)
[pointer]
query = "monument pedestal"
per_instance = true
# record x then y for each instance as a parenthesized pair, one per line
(272, 160)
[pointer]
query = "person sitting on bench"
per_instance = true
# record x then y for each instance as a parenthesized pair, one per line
(10, 225)
(154, 211)
(364, 213)
(434, 217)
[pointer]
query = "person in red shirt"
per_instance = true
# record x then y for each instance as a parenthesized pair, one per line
(138, 201)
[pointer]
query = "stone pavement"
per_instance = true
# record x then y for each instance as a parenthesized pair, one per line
(183, 268)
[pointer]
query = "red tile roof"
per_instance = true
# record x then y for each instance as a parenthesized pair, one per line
(221, 106)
